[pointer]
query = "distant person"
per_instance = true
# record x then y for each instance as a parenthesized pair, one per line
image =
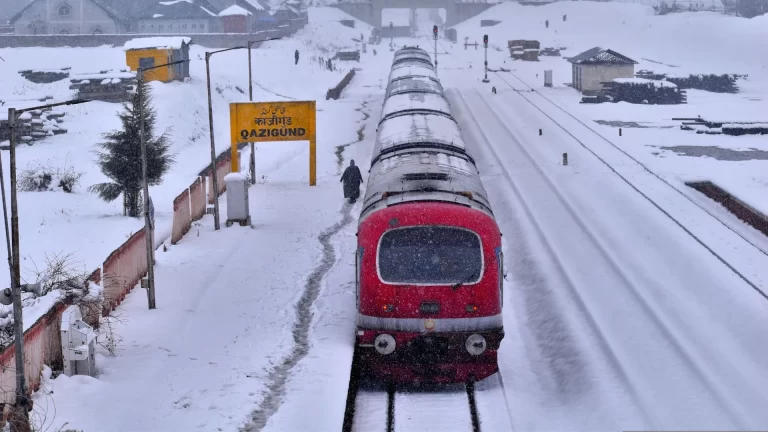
(565, 17)
(352, 179)
(493, 89)
(546, 23)
(296, 55)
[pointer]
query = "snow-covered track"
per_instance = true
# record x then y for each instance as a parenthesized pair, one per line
(635, 326)
(373, 406)
(438, 408)
(737, 252)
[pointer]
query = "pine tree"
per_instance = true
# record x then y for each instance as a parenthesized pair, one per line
(121, 158)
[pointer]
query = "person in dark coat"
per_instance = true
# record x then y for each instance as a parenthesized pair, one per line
(352, 179)
(296, 55)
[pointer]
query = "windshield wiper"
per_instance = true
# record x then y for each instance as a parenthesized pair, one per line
(467, 279)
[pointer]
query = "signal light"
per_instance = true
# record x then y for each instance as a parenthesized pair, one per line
(434, 30)
(485, 39)
(388, 308)
(471, 308)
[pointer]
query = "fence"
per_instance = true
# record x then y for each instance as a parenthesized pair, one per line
(335, 92)
(119, 274)
(42, 346)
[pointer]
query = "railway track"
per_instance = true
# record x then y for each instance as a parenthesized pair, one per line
(377, 407)
(612, 155)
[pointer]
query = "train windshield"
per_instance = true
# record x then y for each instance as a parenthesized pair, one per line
(430, 255)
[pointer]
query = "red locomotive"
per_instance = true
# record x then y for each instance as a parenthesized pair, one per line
(429, 261)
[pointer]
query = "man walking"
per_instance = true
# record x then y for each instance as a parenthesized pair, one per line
(296, 55)
(352, 179)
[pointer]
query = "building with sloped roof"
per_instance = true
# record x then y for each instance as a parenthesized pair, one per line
(179, 16)
(598, 65)
(50, 17)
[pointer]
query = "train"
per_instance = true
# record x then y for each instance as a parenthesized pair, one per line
(429, 261)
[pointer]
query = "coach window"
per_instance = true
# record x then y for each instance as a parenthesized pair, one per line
(430, 255)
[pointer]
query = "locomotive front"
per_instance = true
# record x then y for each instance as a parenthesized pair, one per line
(429, 280)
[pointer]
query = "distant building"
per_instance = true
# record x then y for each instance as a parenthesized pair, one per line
(49, 17)
(179, 16)
(593, 67)
(155, 51)
(236, 19)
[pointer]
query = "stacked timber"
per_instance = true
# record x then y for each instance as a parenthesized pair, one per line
(107, 86)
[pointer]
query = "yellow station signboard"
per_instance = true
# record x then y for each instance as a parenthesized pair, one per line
(274, 121)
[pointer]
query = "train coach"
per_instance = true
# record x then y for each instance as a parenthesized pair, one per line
(429, 264)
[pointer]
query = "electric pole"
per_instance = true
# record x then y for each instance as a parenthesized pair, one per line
(434, 32)
(485, 43)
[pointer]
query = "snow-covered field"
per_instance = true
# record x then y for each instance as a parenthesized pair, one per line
(88, 228)
(615, 318)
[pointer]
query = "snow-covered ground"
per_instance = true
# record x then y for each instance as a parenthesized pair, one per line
(90, 229)
(615, 318)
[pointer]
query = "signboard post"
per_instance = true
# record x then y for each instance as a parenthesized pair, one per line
(274, 121)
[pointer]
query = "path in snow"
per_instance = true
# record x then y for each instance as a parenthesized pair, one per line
(277, 380)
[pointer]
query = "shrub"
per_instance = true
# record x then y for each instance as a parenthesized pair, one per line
(46, 177)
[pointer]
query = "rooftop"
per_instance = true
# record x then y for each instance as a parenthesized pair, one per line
(171, 42)
(599, 55)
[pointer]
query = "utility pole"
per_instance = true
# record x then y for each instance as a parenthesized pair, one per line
(434, 32)
(485, 42)
(250, 98)
(148, 237)
(20, 417)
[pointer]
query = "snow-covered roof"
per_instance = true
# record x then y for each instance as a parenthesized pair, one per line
(171, 42)
(256, 5)
(415, 84)
(180, 9)
(110, 75)
(599, 55)
(415, 101)
(234, 10)
(656, 83)
(411, 71)
(419, 128)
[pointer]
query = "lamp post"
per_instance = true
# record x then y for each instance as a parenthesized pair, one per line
(250, 98)
(21, 417)
(215, 180)
(148, 237)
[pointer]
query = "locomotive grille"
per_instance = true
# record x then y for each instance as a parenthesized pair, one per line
(429, 349)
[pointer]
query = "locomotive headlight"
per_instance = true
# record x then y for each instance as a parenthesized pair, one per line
(385, 344)
(475, 344)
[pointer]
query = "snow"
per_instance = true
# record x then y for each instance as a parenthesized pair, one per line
(255, 4)
(615, 317)
(235, 177)
(234, 10)
(157, 15)
(424, 101)
(411, 70)
(655, 83)
(169, 42)
(420, 128)
(111, 75)
(398, 17)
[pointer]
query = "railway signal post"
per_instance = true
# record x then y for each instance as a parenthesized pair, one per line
(485, 43)
(434, 32)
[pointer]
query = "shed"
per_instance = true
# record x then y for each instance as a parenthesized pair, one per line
(235, 19)
(155, 51)
(598, 65)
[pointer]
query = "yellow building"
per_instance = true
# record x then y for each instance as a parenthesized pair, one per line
(154, 51)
